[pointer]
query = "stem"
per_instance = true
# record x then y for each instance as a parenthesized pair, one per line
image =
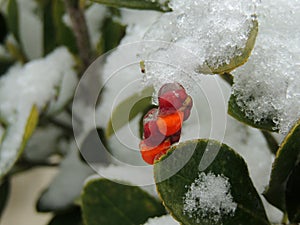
(80, 30)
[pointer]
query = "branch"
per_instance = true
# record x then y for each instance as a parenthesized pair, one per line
(79, 27)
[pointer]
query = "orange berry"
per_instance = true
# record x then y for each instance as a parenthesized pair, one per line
(149, 154)
(170, 124)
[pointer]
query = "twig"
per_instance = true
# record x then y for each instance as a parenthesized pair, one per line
(80, 30)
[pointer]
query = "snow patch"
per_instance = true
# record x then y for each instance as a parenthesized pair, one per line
(35, 83)
(209, 197)
(163, 220)
(267, 86)
(213, 32)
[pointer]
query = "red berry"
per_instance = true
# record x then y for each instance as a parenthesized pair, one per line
(175, 137)
(170, 124)
(149, 154)
(152, 135)
(187, 107)
(171, 97)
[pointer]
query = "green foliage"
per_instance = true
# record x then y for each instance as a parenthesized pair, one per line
(4, 194)
(72, 217)
(55, 32)
(3, 28)
(293, 195)
(238, 113)
(227, 162)
(12, 133)
(131, 106)
(284, 165)
(13, 18)
(5, 63)
(237, 60)
(137, 4)
(112, 33)
(110, 203)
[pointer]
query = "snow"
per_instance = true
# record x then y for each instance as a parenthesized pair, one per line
(268, 85)
(34, 83)
(209, 197)
(163, 220)
(128, 175)
(30, 26)
(212, 32)
(12, 140)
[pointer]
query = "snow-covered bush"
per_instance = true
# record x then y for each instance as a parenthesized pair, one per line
(78, 79)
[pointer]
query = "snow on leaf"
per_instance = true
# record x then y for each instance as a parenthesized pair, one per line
(209, 197)
(215, 33)
(24, 92)
(15, 137)
(163, 220)
(269, 82)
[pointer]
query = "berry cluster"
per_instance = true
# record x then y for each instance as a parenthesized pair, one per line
(162, 125)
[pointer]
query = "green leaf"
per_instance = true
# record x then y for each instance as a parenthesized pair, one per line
(5, 63)
(137, 4)
(293, 195)
(15, 138)
(131, 106)
(237, 60)
(72, 217)
(286, 159)
(64, 35)
(13, 18)
(56, 33)
(239, 114)
(66, 186)
(48, 26)
(3, 28)
(176, 171)
(112, 33)
(4, 194)
(110, 203)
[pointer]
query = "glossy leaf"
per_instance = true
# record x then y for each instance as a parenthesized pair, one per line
(11, 148)
(4, 194)
(237, 60)
(293, 195)
(236, 112)
(107, 202)
(137, 4)
(131, 106)
(13, 18)
(285, 162)
(187, 161)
